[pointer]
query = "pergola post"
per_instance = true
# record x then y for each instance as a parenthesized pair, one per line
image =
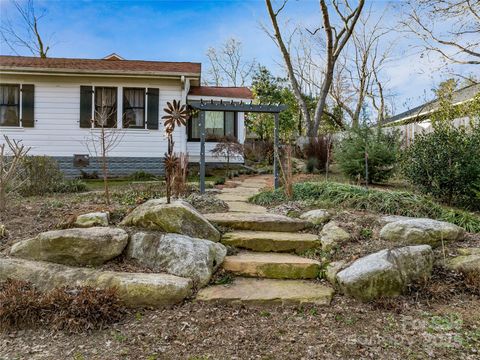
(275, 152)
(202, 152)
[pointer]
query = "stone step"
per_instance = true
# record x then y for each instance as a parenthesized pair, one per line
(272, 266)
(259, 222)
(268, 291)
(242, 206)
(271, 241)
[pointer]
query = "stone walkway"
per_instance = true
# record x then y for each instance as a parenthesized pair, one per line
(266, 269)
(236, 197)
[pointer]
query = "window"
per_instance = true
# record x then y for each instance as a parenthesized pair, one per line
(9, 105)
(134, 108)
(105, 107)
(218, 124)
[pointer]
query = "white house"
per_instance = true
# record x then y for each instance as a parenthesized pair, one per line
(52, 104)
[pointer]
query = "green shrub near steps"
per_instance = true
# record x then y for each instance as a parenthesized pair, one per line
(329, 194)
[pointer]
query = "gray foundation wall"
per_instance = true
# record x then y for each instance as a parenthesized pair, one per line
(118, 166)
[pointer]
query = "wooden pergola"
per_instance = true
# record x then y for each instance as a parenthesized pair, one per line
(203, 106)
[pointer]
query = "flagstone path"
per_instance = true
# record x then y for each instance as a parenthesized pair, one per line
(266, 269)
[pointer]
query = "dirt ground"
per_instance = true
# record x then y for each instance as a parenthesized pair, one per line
(345, 330)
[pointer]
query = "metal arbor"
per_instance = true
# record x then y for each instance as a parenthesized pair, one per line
(203, 106)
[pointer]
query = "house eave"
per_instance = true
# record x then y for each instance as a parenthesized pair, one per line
(96, 73)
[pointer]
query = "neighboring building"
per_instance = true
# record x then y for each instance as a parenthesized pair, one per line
(50, 103)
(418, 119)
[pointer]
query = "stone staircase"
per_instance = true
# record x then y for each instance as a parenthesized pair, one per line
(266, 268)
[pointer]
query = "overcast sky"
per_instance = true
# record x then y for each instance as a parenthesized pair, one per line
(184, 30)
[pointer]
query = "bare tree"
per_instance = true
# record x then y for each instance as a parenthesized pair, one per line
(336, 40)
(228, 65)
(12, 153)
(227, 147)
(456, 43)
(358, 75)
(104, 137)
(25, 34)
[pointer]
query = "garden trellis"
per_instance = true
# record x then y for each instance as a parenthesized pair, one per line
(203, 106)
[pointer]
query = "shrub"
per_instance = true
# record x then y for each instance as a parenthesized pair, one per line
(219, 181)
(381, 149)
(312, 164)
(446, 164)
(71, 186)
(330, 194)
(41, 175)
(316, 153)
(69, 309)
(141, 175)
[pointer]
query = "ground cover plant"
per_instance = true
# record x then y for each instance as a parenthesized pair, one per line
(404, 203)
(71, 309)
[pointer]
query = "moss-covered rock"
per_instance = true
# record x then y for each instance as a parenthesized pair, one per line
(76, 247)
(465, 263)
(179, 255)
(421, 231)
(332, 236)
(178, 217)
(317, 216)
(92, 219)
(386, 273)
(134, 289)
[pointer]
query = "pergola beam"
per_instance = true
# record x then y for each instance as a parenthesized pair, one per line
(238, 107)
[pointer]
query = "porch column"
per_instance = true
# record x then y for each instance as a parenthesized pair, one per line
(275, 153)
(202, 151)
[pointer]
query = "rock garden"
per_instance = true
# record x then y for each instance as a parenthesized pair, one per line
(173, 260)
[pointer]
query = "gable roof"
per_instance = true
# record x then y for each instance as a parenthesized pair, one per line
(221, 91)
(418, 113)
(97, 66)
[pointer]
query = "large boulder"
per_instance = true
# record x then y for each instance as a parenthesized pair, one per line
(92, 219)
(465, 264)
(179, 255)
(421, 231)
(178, 217)
(76, 247)
(332, 236)
(133, 289)
(386, 273)
(316, 217)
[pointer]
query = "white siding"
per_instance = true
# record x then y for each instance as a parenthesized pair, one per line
(57, 129)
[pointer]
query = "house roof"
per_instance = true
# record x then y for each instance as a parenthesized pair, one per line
(102, 66)
(219, 91)
(461, 95)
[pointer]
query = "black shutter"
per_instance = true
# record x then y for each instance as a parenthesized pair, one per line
(86, 106)
(28, 99)
(152, 109)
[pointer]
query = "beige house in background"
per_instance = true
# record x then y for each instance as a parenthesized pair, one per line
(418, 119)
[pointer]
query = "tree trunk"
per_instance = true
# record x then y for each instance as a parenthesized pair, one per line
(3, 199)
(105, 168)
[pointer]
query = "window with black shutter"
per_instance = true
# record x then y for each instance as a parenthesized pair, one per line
(9, 105)
(17, 105)
(134, 108)
(105, 107)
